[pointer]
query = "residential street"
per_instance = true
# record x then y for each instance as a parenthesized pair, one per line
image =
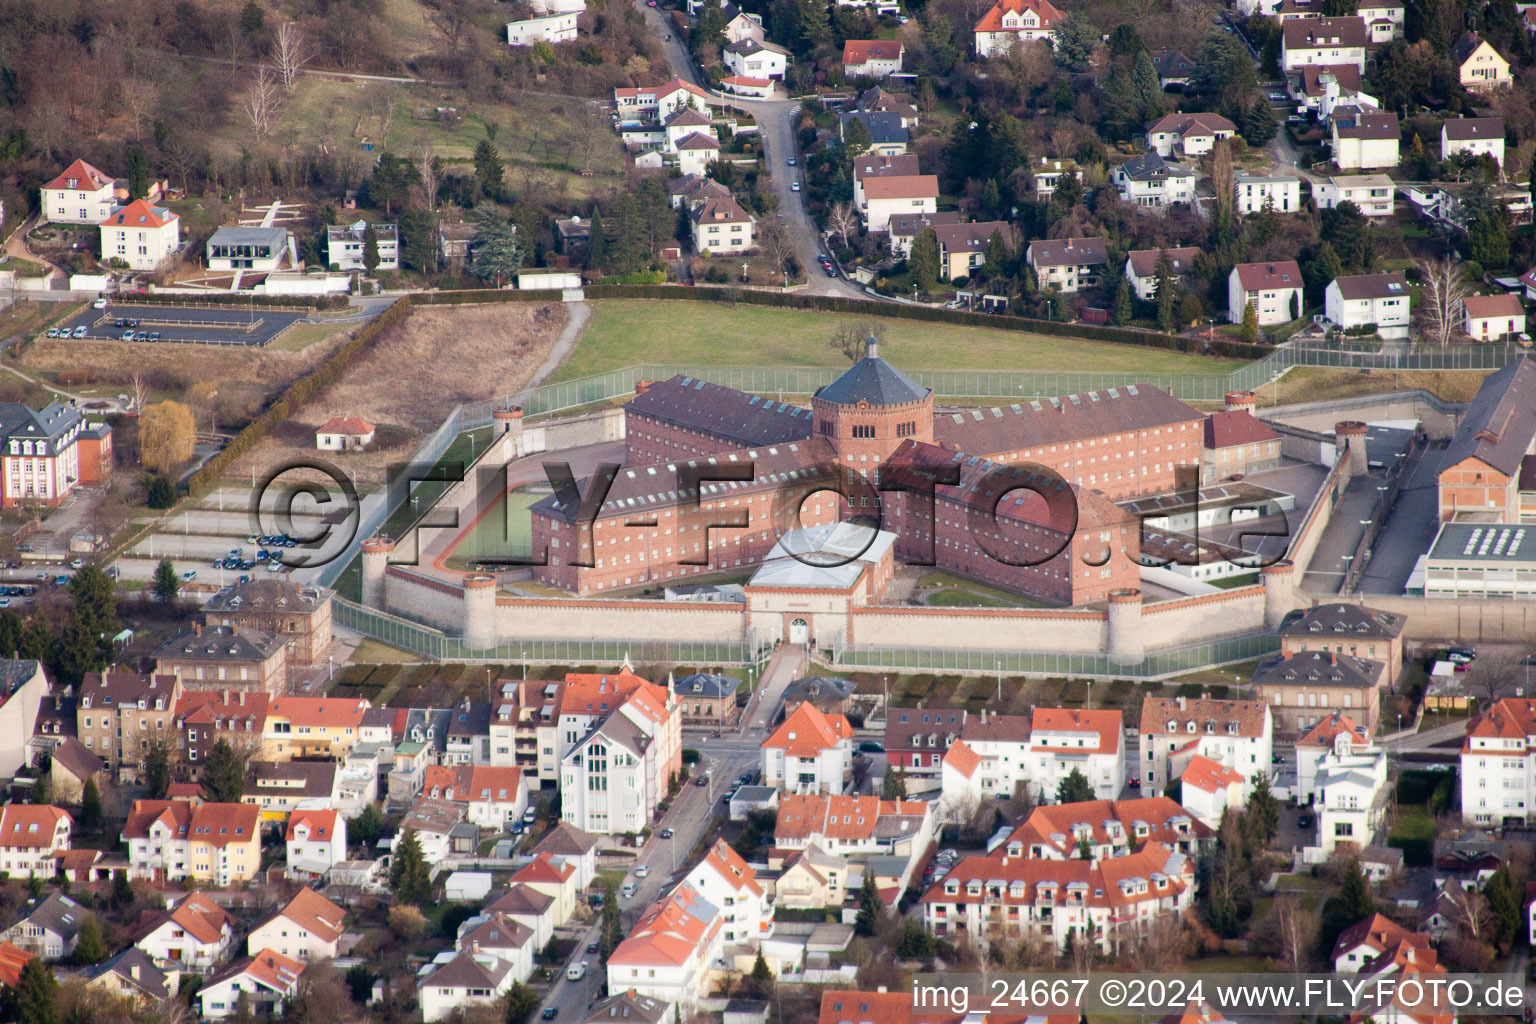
(775, 120)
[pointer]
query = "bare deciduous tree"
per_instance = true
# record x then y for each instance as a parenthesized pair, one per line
(851, 339)
(1295, 931)
(453, 18)
(592, 131)
(259, 104)
(290, 53)
(1445, 287)
(427, 166)
(775, 243)
(843, 219)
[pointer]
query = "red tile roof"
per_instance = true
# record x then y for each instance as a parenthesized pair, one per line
(1235, 427)
(808, 815)
(902, 186)
(202, 918)
(1104, 725)
(1165, 820)
(1099, 882)
(319, 712)
(269, 968)
(12, 960)
(806, 732)
(139, 214)
(1503, 304)
(592, 693)
(1184, 125)
(345, 425)
(544, 869)
(316, 914)
(729, 865)
(1376, 933)
(468, 784)
(1512, 718)
(670, 931)
(1258, 277)
(992, 21)
(1209, 776)
(29, 826)
(1329, 729)
(962, 759)
(322, 824)
(862, 51)
(80, 177)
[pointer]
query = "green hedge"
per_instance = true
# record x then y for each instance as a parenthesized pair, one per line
(862, 307)
(305, 302)
(299, 392)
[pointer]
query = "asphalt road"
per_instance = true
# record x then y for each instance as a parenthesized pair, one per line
(775, 119)
(188, 324)
(1410, 528)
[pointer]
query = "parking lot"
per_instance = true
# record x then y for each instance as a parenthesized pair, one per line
(249, 326)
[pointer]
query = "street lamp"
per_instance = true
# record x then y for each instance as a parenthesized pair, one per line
(999, 681)
(525, 666)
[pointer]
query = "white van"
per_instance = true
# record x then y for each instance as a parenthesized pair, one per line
(576, 972)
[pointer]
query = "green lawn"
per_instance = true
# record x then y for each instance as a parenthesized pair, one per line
(623, 332)
(506, 532)
(301, 336)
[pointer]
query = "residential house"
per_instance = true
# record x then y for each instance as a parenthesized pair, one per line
(1238, 734)
(1480, 67)
(346, 245)
(1141, 268)
(1356, 630)
(696, 152)
(741, 25)
(279, 788)
(1106, 829)
(120, 715)
(528, 907)
(1372, 194)
(194, 934)
(963, 247)
(878, 165)
(1188, 135)
(916, 739)
(308, 927)
(1001, 753)
(1304, 688)
(71, 766)
(1049, 174)
(266, 980)
(1174, 70)
(1364, 139)
(48, 928)
(288, 608)
(670, 951)
(720, 227)
(1357, 302)
(315, 842)
(1322, 41)
(725, 881)
(1274, 289)
(1493, 317)
(629, 1006)
(31, 836)
(225, 658)
(887, 195)
(432, 822)
(1011, 21)
(204, 717)
(555, 878)
(550, 28)
(503, 938)
(140, 235)
(1478, 136)
(1351, 791)
(313, 726)
(809, 753)
(888, 136)
(871, 58)
(903, 230)
(855, 826)
(1383, 20)
(344, 434)
(491, 797)
(469, 734)
(573, 846)
(1498, 764)
(1207, 789)
(453, 244)
(1338, 734)
(1276, 191)
(708, 698)
(248, 248)
(876, 100)
(1150, 180)
(131, 974)
(1321, 87)
(621, 741)
(1237, 444)
(1067, 264)
(573, 237)
(810, 879)
(171, 840)
(657, 103)
(48, 452)
(79, 195)
(1364, 943)
(756, 58)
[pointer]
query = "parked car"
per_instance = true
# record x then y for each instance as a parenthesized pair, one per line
(80, 332)
(99, 304)
(190, 574)
(794, 186)
(551, 1012)
(126, 336)
(1461, 655)
(53, 332)
(154, 335)
(628, 892)
(78, 563)
(642, 870)
(790, 161)
(871, 747)
(666, 833)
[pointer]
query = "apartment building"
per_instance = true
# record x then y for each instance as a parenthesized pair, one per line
(120, 715)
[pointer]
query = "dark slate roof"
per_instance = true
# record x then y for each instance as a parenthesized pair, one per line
(1342, 620)
(221, 643)
(991, 431)
(1465, 46)
(629, 1007)
(885, 127)
(473, 720)
(267, 596)
(58, 914)
(875, 381)
(1371, 124)
(14, 672)
(1501, 421)
(1144, 261)
(1069, 252)
(706, 684)
(722, 412)
(565, 840)
(49, 424)
(134, 966)
(1315, 33)
(1372, 286)
(1172, 64)
(1315, 668)
(1151, 165)
(1462, 129)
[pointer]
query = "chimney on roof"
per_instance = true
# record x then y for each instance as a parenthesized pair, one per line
(197, 629)
(1181, 702)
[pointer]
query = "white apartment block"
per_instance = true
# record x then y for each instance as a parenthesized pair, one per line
(1372, 193)
(1360, 300)
(1278, 192)
(1498, 763)
(1237, 734)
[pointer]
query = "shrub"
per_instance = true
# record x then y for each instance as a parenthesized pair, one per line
(407, 922)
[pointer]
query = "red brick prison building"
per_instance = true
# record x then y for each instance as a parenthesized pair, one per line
(1060, 540)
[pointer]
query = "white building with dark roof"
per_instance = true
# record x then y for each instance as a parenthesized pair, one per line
(1141, 268)
(1478, 136)
(1150, 180)
(1360, 301)
(1067, 264)
(1276, 191)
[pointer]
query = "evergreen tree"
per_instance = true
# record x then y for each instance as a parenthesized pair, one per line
(1120, 111)
(613, 929)
(138, 173)
(762, 977)
(1319, 269)
(496, 254)
(1149, 88)
(991, 198)
(1074, 789)
(367, 828)
(522, 1004)
(418, 239)
(1350, 233)
(410, 879)
(159, 492)
(894, 785)
(1074, 42)
(597, 243)
(90, 944)
(1264, 809)
(41, 791)
(1488, 240)
(996, 257)
(155, 770)
(1504, 899)
(90, 806)
(924, 261)
(253, 18)
(1250, 331)
(86, 645)
(488, 166)
(856, 138)
(1355, 900)
(36, 638)
(223, 775)
(868, 918)
(391, 182)
(1259, 124)
(917, 943)
(1125, 41)
(1167, 298)
(1122, 311)
(11, 627)
(370, 249)
(123, 897)
(36, 999)
(167, 584)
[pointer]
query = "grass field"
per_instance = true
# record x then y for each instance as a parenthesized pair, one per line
(1317, 384)
(624, 332)
(300, 336)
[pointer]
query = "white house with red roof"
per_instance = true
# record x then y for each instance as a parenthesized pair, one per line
(307, 928)
(1011, 21)
(1336, 734)
(1274, 289)
(344, 433)
(140, 235)
(195, 934)
(1236, 733)
(1208, 788)
(1366, 941)
(1498, 763)
(492, 797)
(728, 882)
(810, 752)
(1180, 134)
(267, 980)
(316, 841)
(668, 953)
(1066, 739)
(79, 195)
(1107, 828)
(871, 58)
(996, 754)
(555, 878)
(854, 826)
(1493, 317)
(30, 837)
(656, 103)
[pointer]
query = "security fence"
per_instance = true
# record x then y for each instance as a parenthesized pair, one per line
(1157, 664)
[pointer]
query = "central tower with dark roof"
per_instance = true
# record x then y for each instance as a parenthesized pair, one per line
(871, 409)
